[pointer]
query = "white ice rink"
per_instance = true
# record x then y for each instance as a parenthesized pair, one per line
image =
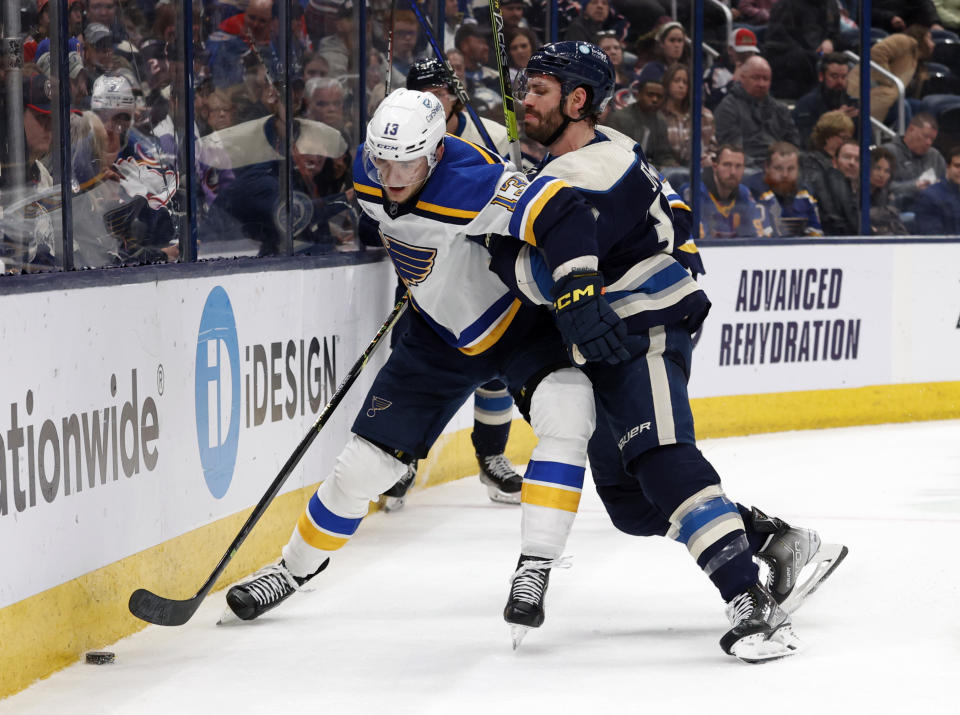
(407, 619)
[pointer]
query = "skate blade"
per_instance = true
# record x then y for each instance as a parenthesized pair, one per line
(389, 504)
(503, 497)
(517, 634)
(823, 564)
(757, 648)
(228, 618)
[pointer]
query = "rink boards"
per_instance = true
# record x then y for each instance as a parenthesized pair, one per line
(142, 417)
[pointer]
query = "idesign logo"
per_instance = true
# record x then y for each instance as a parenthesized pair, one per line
(218, 392)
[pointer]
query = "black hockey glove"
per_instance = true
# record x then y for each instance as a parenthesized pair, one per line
(585, 319)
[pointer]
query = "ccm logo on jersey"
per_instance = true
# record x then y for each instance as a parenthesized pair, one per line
(633, 432)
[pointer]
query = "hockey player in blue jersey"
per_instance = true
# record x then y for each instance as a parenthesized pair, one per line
(492, 404)
(650, 475)
(429, 193)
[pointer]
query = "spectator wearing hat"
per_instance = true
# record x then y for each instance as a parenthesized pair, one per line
(749, 117)
(938, 207)
(40, 32)
(37, 130)
(75, 18)
(641, 121)
(798, 33)
(830, 94)
(79, 90)
(596, 15)
(471, 41)
(98, 55)
(741, 46)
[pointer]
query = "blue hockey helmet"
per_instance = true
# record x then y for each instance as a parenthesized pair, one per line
(574, 64)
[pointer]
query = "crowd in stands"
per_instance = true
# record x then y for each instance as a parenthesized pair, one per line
(778, 126)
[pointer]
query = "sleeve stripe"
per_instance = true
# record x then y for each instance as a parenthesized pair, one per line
(536, 206)
(495, 334)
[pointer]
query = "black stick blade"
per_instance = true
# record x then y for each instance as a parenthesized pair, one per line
(152, 608)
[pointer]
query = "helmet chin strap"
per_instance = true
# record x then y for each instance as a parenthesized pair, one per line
(564, 124)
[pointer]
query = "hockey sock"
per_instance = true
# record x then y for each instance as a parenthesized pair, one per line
(492, 413)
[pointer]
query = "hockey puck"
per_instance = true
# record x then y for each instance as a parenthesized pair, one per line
(100, 657)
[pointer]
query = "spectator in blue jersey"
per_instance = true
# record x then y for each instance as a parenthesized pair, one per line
(788, 209)
(830, 94)
(938, 207)
(728, 210)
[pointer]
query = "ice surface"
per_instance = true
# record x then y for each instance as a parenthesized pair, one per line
(407, 619)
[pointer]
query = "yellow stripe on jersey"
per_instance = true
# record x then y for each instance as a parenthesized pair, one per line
(495, 334)
(445, 211)
(689, 247)
(483, 152)
(678, 204)
(316, 538)
(537, 206)
(370, 190)
(550, 497)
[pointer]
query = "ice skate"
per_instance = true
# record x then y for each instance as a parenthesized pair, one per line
(528, 588)
(266, 589)
(761, 629)
(395, 497)
(798, 561)
(502, 482)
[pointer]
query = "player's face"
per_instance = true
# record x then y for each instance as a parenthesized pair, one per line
(401, 179)
(541, 107)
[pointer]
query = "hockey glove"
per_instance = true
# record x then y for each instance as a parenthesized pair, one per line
(585, 319)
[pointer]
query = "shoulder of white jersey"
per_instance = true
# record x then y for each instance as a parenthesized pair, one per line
(616, 136)
(597, 167)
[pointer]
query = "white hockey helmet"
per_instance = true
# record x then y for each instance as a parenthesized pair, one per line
(407, 126)
(112, 93)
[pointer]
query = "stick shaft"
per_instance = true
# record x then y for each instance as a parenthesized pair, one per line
(506, 87)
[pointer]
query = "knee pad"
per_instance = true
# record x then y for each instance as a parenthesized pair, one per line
(563, 416)
(362, 473)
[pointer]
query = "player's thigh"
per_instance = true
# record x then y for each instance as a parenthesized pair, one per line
(418, 391)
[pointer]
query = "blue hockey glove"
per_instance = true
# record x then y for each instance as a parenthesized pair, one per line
(585, 319)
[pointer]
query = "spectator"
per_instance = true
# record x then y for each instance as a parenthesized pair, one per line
(727, 210)
(918, 163)
(406, 33)
(839, 204)
(220, 114)
(326, 100)
(677, 116)
(884, 217)
(37, 130)
(900, 54)
(458, 65)
(103, 12)
(41, 31)
(755, 12)
(830, 131)
(79, 89)
(672, 44)
(511, 11)
(949, 13)
(521, 44)
(314, 66)
(741, 46)
(98, 55)
(749, 117)
(472, 42)
(612, 46)
(257, 27)
(798, 33)
(337, 48)
(452, 18)
(938, 207)
(830, 94)
(641, 121)
(77, 10)
(897, 15)
(592, 18)
(789, 210)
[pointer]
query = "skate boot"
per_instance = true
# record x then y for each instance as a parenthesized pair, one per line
(395, 497)
(266, 589)
(798, 561)
(503, 484)
(761, 629)
(529, 582)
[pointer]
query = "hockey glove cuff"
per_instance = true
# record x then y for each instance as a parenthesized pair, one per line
(585, 319)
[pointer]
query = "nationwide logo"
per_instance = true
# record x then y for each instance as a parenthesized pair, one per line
(217, 391)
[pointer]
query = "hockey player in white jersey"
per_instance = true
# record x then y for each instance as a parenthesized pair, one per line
(648, 471)
(428, 193)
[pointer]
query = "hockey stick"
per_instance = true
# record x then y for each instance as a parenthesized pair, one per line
(506, 88)
(388, 80)
(459, 89)
(162, 611)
